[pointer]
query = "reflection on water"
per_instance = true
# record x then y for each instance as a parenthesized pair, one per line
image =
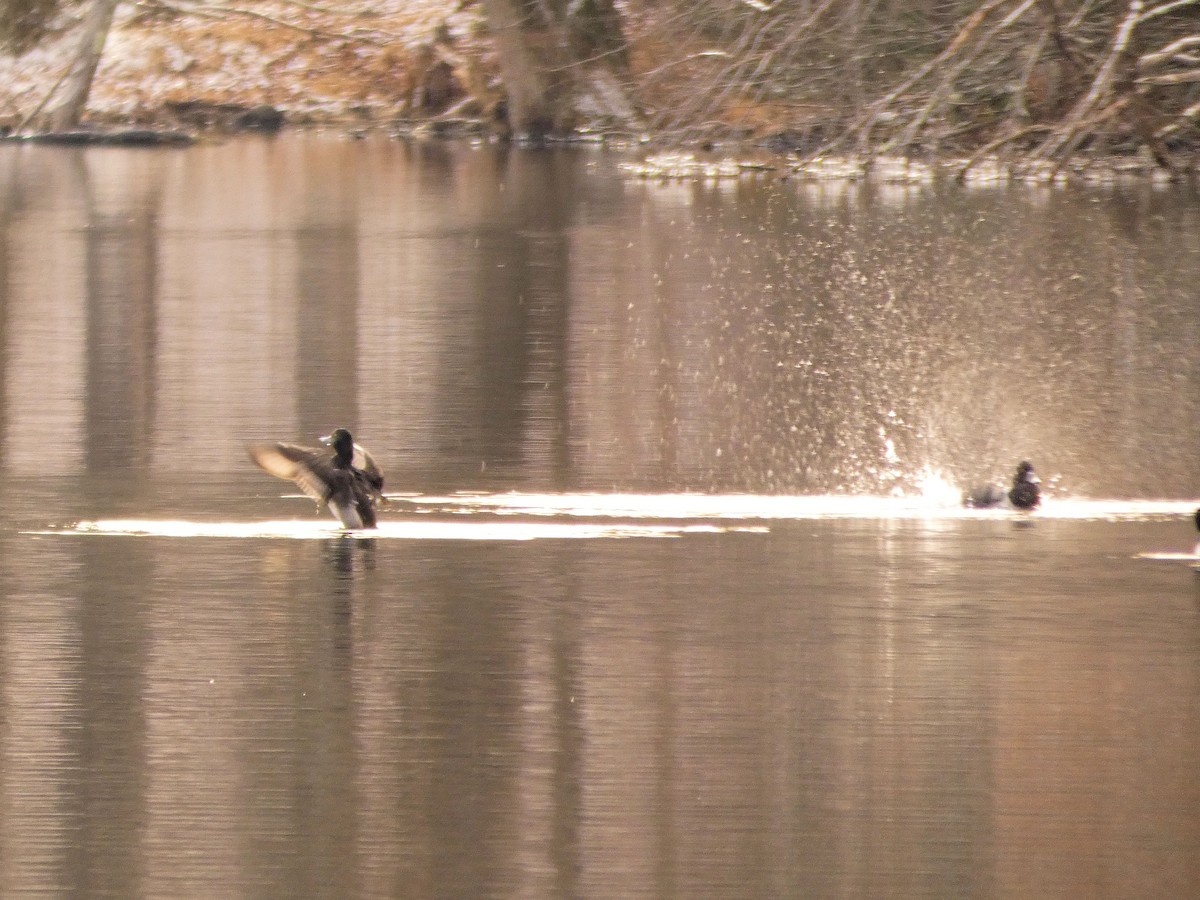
(533, 317)
(830, 680)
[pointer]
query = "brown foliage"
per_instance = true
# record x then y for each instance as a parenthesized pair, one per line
(1047, 77)
(23, 22)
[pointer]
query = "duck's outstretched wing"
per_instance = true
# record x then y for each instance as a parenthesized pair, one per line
(306, 467)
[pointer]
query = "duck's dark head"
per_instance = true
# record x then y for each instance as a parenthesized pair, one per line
(342, 444)
(1025, 473)
(1198, 520)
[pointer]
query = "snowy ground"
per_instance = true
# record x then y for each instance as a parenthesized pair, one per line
(316, 63)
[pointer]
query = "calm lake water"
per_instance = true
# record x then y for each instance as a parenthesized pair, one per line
(674, 598)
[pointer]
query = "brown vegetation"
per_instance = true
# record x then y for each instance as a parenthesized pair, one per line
(1040, 79)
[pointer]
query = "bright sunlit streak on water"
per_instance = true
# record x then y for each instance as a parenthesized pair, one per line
(418, 529)
(937, 500)
(484, 517)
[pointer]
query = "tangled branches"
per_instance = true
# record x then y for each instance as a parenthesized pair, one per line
(1034, 82)
(1040, 78)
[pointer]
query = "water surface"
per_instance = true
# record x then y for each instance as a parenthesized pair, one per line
(674, 597)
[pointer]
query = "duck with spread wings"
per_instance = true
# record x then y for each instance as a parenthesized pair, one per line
(348, 481)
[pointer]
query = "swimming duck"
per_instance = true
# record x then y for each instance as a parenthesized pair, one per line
(349, 482)
(1024, 493)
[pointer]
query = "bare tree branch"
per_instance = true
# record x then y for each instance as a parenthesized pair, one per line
(1169, 52)
(1101, 86)
(1172, 78)
(1166, 8)
(952, 74)
(992, 146)
(224, 12)
(868, 117)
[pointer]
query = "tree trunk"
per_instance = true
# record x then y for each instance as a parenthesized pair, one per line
(532, 102)
(77, 83)
(560, 62)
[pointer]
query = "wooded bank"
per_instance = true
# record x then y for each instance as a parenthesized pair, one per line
(1039, 80)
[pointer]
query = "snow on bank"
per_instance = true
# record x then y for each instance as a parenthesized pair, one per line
(311, 61)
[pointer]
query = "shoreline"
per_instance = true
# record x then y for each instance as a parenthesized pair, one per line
(661, 159)
(400, 68)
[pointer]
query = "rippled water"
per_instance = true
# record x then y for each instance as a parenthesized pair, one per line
(673, 597)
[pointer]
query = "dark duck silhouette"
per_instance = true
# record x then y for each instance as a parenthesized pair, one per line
(1024, 493)
(348, 482)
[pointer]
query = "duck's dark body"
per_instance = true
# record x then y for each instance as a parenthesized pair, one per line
(347, 481)
(984, 496)
(1024, 493)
